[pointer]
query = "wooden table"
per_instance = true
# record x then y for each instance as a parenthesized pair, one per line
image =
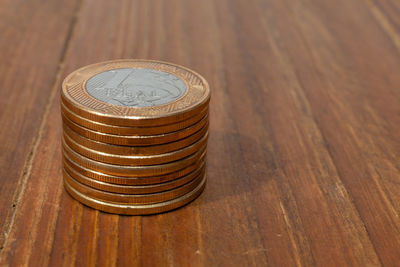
(304, 149)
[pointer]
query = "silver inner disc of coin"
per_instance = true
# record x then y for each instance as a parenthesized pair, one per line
(135, 87)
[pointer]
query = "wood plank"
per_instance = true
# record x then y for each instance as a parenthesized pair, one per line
(347, 71)
(32, 42)
(302, 157)
(309, 183)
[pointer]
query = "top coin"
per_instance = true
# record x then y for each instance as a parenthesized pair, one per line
(134, 92)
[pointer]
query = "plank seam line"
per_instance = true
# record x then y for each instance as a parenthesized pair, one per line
(37, 139)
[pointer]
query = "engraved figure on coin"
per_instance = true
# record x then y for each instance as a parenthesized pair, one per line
(135, 87)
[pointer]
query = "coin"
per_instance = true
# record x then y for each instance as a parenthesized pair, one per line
(132, 171)
(129, 140)
(130, 209)
(121, 180)
(135, 93)
(133, 189)
(123, 130)
(135, 160)
(135, 150)
(133, 198)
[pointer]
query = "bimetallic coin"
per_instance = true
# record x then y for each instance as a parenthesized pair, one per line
(136, 150)
(130, 209)
(133, 198)
(121, 180)
(135, 160)
(129, 140)
(135, 135)
(133, 171)
(133, 189)
(121, 130)
(135, 93)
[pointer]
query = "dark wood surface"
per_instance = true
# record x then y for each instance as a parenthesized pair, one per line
(304, 148)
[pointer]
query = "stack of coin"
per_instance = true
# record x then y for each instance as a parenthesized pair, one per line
(135, 135)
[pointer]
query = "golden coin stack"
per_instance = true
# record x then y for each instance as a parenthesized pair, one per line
(135, 135)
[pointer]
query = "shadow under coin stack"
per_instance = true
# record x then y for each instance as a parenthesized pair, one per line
(135, 135)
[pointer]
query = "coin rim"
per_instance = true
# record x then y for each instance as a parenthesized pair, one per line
(123, 180)
(133, 189)
(138, 150)
(133, 130)
(134, 171)
(121, 198)
(130, 140)
(135, 160)
(137, 209)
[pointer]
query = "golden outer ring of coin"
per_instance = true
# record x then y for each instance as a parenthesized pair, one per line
(133, 189)
(126, 209)
(133, 198)
(133, 171)
(135, 150)
(135, 160)
(121, 130)
(78, 100)
(126, 181)
(129, 140)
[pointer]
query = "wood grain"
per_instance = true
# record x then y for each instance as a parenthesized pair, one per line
(303, 157)
(30, 52)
